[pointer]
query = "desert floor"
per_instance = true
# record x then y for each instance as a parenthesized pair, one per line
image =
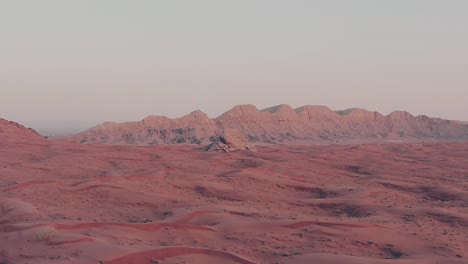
(373, 203)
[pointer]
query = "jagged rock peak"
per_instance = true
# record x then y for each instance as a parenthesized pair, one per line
(351, 111)
(359, 113)
(400, 115)
(279, 108)
(314, 108)
(151, 119)
(316, 112)
(241, 110)
(196, 115)
(155, 119)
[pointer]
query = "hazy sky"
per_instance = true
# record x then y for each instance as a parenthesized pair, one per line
(68, 65)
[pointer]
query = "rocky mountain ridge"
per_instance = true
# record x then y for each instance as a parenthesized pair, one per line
(278, 124)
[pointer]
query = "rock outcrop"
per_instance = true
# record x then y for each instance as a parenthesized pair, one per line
(230, 140)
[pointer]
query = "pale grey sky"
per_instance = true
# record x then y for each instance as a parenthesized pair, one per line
(68, 65)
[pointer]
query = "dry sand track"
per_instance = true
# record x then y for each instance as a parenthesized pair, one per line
(376, 203)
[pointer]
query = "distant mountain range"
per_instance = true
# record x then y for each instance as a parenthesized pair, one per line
(278, 124)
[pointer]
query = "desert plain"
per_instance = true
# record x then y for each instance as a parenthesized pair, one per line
(63, 202)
